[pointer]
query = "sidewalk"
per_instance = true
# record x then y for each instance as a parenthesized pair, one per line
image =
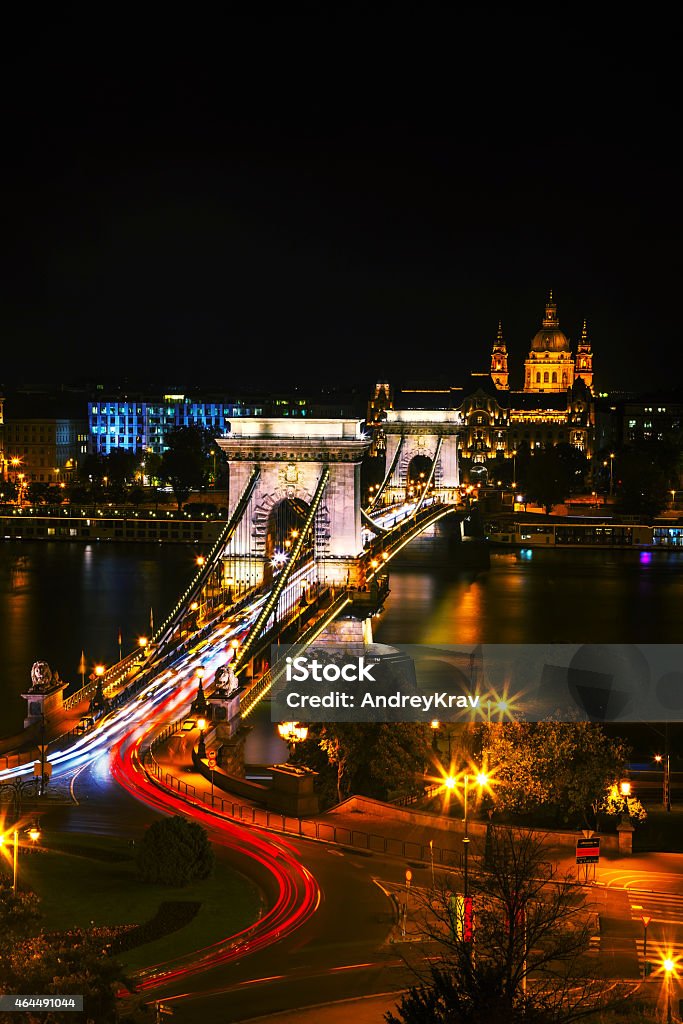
(174, 756)
(364, 1010)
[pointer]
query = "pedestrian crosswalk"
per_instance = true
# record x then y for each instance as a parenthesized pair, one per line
(658, 919)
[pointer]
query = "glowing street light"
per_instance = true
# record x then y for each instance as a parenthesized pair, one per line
(669, 968)
(292, 733)
(450, 783)
(625, 790)
(15, 839)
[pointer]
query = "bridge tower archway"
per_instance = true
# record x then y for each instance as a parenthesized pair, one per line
(292, 456)
(417, 475)
(424, 438)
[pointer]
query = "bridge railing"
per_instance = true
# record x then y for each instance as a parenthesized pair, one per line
(110, 680)
(285, 824)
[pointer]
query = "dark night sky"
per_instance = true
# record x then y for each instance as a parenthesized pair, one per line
(270, 200)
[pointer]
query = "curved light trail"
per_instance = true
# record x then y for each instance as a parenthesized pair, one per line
(298, 894)
(115, 743)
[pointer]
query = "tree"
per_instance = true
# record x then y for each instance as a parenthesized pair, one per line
(19, 911)
(575, 462)
(72, 963)
(549, 477)
(563, 767)
(186, 464)
(612, 803)
(174, 851)
(375, 759)
(524, 958)
(641, 482)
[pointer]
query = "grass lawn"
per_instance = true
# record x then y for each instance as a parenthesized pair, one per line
(84, 880)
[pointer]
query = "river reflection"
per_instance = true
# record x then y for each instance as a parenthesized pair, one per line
(57, 599)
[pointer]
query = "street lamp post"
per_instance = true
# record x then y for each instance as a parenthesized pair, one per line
(481, 779)
(625, 790)
(514, 467)
(15, 840)
(666, 777)
(611, 473)
(669, 967)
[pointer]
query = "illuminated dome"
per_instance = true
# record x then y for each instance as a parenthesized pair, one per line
(550, 341)
(550, 338)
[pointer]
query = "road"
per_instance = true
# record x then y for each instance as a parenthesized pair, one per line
(340, 951)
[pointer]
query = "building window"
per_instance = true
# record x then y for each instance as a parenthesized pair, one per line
(545, 377)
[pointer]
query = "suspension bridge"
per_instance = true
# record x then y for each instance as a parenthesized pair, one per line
(300, 552)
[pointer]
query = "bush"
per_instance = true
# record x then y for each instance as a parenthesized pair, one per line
(174, 851)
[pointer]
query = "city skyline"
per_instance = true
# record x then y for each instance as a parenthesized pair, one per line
(320, 198)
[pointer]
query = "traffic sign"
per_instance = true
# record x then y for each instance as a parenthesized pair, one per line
(409, 875)
(646, 920)
(588, 850)
(211, 760)
(42, 769)
(211, 753)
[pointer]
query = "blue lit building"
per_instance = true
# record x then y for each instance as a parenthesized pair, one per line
(142, 424)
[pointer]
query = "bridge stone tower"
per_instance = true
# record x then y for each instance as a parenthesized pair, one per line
(417, 432)
(291, 455)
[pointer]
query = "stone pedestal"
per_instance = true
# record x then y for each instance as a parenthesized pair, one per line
(625, 830)
(231, 750)
(43, 704)
(292, 791)
(224, 711)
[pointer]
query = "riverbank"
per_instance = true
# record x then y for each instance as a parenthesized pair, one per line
(125, 526)
(589, 529)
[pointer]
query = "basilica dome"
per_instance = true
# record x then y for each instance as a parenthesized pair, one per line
(550, 338)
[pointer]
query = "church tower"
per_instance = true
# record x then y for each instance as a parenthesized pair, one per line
(499, 361)
(584, 359)
(549, 366)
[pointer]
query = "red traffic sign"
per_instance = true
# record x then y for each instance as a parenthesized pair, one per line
(211, 761)
(409, 875)
(588, 850)
(646, 920)
(211, 753)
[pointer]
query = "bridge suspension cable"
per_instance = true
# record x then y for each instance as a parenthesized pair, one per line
(388, 475)
(430, 477)
(271, 602)
(165, 631)
(258, 690)
(372, 525)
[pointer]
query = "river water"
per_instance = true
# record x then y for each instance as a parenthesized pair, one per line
(57, 599)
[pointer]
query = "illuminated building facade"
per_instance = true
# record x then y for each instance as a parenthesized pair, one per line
(554, 406)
